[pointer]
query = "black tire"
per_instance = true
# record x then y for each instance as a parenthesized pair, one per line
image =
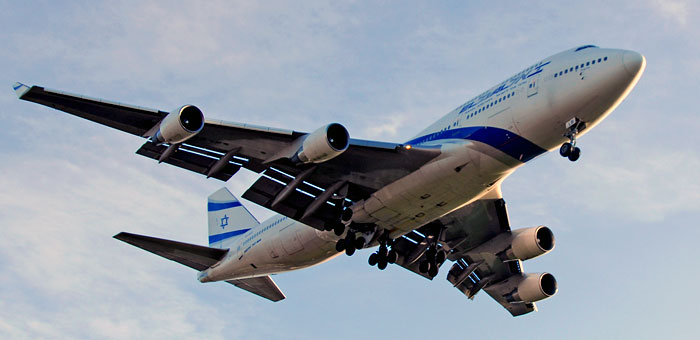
(339, 229)
(349, 251)
(433, 270)
(565, 149)
(346, 215)
(373, 259)
(424, 266)
(392, 256)
(440, 257)
(575, 154)
(359, 242)
(381, 265)
(340, 245)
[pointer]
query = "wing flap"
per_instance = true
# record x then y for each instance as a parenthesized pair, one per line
(191, 159)
(191, 255)
(261, 286)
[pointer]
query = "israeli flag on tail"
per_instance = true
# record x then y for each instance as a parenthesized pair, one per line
(228, 218)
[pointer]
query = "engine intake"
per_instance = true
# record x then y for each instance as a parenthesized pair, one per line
(529, 243)
(323, 144)
(534, 287)
(180, 125)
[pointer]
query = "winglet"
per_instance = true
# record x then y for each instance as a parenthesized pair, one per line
(20, 89)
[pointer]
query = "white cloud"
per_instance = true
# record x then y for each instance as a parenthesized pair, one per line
(676, 10)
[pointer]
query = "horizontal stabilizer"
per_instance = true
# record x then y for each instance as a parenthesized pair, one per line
(191, 255)
(261, 286)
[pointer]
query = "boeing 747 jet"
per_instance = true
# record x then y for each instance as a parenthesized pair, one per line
(420, 203)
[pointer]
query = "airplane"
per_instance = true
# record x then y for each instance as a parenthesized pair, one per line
(433, 198)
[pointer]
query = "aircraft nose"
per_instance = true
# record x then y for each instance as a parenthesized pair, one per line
(633, 62)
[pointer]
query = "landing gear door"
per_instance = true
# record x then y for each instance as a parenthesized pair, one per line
(533, 85)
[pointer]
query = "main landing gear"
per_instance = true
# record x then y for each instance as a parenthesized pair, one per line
(569, 149)
(383, 256)
(350, 243)
(434, 259)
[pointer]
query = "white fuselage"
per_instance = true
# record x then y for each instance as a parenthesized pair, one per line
(482, 142)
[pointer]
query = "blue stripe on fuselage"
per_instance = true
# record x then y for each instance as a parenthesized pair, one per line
(501, 139)
(216, 206)
(220, 237)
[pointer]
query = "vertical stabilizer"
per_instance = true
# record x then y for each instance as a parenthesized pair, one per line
(228, 218)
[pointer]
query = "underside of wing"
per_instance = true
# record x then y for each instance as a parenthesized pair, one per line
(261, 286)
(191, 255)
(486, 254)
(294, 182)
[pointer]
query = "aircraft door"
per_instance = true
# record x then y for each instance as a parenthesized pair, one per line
(533, 85)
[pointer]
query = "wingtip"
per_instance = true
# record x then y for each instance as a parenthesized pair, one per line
(20, 89)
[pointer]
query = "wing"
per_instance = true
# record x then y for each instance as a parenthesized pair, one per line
(462, 234)
(261, 286)
(221, 148)
(200, 258)
(193, 256)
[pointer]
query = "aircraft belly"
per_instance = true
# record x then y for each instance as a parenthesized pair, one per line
(437, 188)
(314, 249)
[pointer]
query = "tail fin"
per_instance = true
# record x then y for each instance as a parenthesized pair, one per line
(227, 218)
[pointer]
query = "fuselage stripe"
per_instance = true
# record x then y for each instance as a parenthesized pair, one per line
(506, 141)
(216, 206)
(220, 237)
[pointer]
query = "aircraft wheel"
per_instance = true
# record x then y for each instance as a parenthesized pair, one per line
(382, 265)
(340, 245)
(373, 259)
(433, 271)
(338, 229)
(350, 250)
(392, 256)
(359, 242)
(565, 149)
(440, 257)
(346, 215)
(575, 154)
(424, 266)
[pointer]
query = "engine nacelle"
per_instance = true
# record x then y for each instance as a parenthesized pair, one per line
(528, 243)
(534, 287)
(323, 144)
(180, 125)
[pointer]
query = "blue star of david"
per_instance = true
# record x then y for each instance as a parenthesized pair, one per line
(224, 221)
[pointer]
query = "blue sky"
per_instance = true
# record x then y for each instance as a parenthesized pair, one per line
(625, 215)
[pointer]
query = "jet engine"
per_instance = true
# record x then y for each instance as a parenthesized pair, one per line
(323, 144)
(534, 287)
(528, 243)
(180, 125)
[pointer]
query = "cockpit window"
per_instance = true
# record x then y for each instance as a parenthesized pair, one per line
(585, 47)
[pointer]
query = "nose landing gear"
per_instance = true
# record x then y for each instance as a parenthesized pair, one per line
(569, 149)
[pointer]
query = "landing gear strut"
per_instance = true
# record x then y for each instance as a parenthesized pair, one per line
(569, 149)
(383, 256)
